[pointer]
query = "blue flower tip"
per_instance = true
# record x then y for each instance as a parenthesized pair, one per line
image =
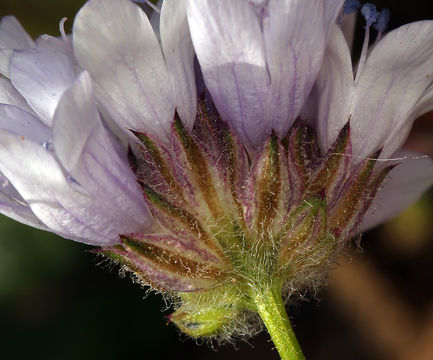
(382, 20)
(370, 13)
(351, 6)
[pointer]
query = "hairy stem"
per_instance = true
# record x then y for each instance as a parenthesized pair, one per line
(269, 305)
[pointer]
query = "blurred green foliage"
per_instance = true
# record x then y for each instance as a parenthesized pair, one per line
(41, 16)
(56, 304)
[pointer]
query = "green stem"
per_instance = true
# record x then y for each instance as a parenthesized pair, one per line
(269, 304)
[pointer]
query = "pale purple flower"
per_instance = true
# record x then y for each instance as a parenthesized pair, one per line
(69, 105)
(60, 167)
(390, 88)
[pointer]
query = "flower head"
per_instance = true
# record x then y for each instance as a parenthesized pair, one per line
(229, 153)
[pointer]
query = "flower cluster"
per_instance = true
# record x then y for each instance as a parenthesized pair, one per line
(218, 150)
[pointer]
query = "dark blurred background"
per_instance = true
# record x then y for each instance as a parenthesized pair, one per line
(57, 303)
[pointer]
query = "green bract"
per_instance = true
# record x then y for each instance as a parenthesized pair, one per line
(230, 228)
